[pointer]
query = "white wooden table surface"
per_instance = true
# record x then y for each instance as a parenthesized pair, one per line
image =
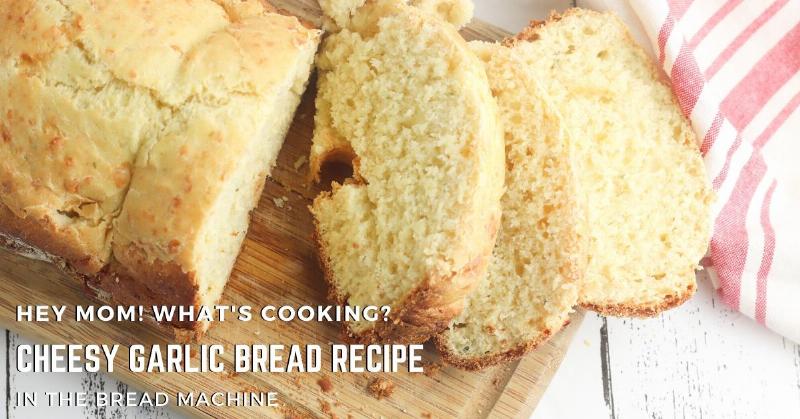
(698, 361)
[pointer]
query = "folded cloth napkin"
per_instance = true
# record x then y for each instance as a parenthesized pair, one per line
(735, 68)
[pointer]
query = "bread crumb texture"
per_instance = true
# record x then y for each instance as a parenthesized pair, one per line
(648, 198)
(532, 281)
(402, 97)
(138, 128)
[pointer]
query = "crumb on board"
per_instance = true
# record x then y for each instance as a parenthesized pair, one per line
(298, 382)
(290, 413)
(280, 202)
(300, 162)
(427, 415)
(325, 406)
(325, 384)
(431, 369)
(380, 388)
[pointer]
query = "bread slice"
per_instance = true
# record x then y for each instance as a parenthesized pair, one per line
(532, 283)
(404, 100)
(647, 194)
(458, 12)
(140, 135)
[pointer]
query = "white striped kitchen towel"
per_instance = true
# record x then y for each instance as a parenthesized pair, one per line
(735, 68)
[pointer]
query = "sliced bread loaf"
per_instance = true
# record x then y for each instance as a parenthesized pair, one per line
(638, 163)
(404, 100)
(532, 281)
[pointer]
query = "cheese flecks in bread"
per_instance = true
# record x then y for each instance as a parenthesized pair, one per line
(139, 135)
(639, 168)
(457, 12)
(532, 281)
(402, 97)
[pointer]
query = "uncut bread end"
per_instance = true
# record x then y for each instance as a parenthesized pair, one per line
(532, 283)
(189, 259)
(145, 143)
(180, 250)
(639, 165)
(413, 229)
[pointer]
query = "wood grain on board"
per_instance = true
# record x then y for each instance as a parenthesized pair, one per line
(278, 266)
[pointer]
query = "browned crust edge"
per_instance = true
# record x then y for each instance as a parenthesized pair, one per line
(91, 287)
(133, 280)
(148, 284)
(179, 334)
(424, 313)
(44, 235)
(479, 363)
(531, 34)
(642, 310)
(613, 310)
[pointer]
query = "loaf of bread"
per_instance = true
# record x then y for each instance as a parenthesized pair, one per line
(403, 99)
(532, 282)
(648, 198)
(458, 12)
(137, 136)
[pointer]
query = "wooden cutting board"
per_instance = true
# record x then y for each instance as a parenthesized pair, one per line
(278, 267)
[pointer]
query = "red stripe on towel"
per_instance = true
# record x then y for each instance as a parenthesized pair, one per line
(764, 79)
(766, 261)
(730, 242)
(687, 81)
(712, 134)
(713, 21)
(743, 37)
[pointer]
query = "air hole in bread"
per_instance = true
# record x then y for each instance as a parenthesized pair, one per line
(335, 171)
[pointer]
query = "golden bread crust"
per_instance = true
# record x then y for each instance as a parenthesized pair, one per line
(123, 122)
